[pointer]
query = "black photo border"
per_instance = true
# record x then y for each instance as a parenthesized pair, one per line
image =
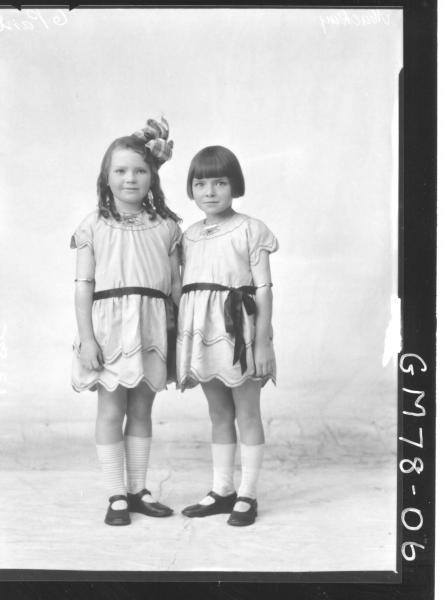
(414, 579)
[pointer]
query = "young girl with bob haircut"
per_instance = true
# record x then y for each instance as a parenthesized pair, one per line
(225, 334)
(127, 272)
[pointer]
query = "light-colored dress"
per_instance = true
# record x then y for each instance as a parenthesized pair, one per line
(223, 255)
(130, 330)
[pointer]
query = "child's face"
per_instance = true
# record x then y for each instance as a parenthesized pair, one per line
(129, 178)
(212, 194)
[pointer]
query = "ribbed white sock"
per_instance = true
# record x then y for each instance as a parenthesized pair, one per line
(251, 461)
(223, 471)
(111, 457)
(137, 451)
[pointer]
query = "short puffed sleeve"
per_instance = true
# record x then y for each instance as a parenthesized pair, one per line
(84, 234)
(175, 236)
(260, 238)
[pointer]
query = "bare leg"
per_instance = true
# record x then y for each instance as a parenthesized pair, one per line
(246, 399)
(221, 410)
(140, 404)
(111, 409)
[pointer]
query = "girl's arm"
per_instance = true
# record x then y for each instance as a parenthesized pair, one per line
(90, 353)
(176, 283)
(263, 349)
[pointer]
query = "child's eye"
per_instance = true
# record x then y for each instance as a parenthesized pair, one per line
(222, 183)
(197, 184)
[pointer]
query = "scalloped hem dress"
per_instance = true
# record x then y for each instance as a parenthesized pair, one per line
(223, 255)
(130, 330)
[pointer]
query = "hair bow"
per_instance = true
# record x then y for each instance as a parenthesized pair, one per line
(156, 135)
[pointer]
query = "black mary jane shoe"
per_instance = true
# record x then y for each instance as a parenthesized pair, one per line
(150, 509)
(117, 517)
(240, 518)
(221, 504)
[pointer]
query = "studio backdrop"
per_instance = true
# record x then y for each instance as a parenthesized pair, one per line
(308, 101)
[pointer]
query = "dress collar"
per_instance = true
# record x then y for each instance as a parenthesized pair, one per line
(202, 231)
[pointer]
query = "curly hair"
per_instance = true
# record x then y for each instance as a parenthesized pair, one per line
(107, 205)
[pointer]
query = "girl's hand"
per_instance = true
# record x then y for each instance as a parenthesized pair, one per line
(91, 356)
(263, 358)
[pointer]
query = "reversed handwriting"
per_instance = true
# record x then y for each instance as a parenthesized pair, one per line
(345, 18)
(33, 20)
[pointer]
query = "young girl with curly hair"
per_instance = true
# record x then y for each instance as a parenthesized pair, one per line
(127, 280)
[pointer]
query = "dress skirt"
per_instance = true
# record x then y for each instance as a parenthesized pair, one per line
(131, 332)
(204, 348)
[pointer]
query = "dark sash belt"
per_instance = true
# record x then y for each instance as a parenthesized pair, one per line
(125, 291)
(233, 315)
(171, 318)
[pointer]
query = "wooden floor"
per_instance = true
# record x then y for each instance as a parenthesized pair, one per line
(312, 517)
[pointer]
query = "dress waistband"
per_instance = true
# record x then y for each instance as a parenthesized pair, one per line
(125, 291)
(233, 315)
(217, 287)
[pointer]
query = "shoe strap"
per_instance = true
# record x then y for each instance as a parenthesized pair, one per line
(142, 493)
(218, 496)
(117, 497)
(213, 495)
(250, 501)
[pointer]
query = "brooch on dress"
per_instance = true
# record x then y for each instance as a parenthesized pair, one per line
(210, 230)
(132, 219)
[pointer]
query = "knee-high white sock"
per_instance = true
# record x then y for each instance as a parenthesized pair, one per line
(223, 471)
(137, 451)
(223, 468)
(251, 461)
(111, 457)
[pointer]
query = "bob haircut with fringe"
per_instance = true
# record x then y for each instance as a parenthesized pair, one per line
(216, 161)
